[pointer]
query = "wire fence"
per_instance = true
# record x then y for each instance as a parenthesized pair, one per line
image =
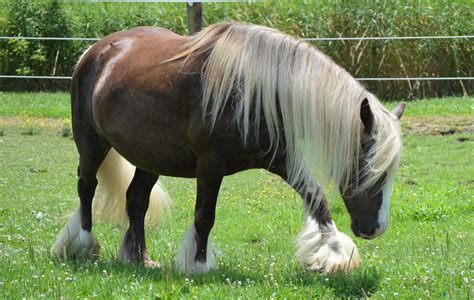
(387, 38)
(356, 78)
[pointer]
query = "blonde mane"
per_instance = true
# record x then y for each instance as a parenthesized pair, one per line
(297, 88)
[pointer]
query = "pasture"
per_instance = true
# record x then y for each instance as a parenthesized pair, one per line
(427, 250)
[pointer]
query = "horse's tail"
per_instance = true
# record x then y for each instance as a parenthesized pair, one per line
(114, 177)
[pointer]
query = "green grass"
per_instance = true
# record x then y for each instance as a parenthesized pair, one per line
(57, 105)
(453, 106)
(51, 105)
(426, 252)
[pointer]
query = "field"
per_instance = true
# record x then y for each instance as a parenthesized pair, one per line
(426, 252)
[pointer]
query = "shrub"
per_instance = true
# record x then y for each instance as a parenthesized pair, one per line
(37, 57)
(397, 58)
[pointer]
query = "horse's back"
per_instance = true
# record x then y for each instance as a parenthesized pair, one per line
(133, 57)
(138, 100)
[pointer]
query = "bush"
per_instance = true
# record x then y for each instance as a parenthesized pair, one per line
(37, 57)
(414, 58)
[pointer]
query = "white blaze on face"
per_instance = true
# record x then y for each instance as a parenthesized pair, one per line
(384, 208)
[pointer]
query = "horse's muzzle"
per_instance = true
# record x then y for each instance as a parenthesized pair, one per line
(366, 230)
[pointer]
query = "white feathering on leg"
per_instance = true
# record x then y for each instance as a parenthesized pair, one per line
(324, 248)
(185, 261)
(73, 241)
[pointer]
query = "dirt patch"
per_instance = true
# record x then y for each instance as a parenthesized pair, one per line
(438, 125)
(52, 123)
(34, 126)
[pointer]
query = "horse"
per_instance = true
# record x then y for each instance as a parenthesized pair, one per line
(148, 102)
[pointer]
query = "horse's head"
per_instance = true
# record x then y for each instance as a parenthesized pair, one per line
(369, 206)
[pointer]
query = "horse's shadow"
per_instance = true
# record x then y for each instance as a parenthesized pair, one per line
(360, 283)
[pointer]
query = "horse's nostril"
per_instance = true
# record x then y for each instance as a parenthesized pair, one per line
(369, 234)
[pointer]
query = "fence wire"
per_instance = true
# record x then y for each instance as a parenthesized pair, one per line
(360, 79)
(388, 38)
(374, 38)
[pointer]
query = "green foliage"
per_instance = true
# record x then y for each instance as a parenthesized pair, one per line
(37, 57)
(397, 58)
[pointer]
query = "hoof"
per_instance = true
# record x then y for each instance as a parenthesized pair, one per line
(128, 254)
(331, 257)
(74, 242)
(151, 264)
(326, 249)
(185, 260)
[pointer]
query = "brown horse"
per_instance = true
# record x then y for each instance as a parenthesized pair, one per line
(231, 98)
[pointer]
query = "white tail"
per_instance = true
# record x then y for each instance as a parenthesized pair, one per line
(114, 176)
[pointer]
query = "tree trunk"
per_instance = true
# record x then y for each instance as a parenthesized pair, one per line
(194, 17)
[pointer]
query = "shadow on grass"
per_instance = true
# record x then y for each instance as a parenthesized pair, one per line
(363, 282)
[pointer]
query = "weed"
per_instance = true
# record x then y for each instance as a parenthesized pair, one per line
(66, 132)
(31, 130)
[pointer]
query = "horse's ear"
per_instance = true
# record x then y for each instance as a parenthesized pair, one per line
(398, 111)
(366, 115)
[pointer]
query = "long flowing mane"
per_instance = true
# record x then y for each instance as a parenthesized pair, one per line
(295, 87)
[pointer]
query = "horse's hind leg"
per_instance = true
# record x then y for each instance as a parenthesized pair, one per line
(75, 239)
(138, 195)
(195, 253)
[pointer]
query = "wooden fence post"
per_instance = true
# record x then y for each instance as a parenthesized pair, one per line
(194, 10)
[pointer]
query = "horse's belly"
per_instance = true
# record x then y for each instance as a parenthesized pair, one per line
(170, 159)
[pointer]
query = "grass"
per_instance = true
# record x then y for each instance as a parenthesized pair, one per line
(58, 105)
(50, 105)
(426, 252)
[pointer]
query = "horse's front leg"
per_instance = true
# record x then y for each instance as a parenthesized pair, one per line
(320, 246)
(195, 253)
